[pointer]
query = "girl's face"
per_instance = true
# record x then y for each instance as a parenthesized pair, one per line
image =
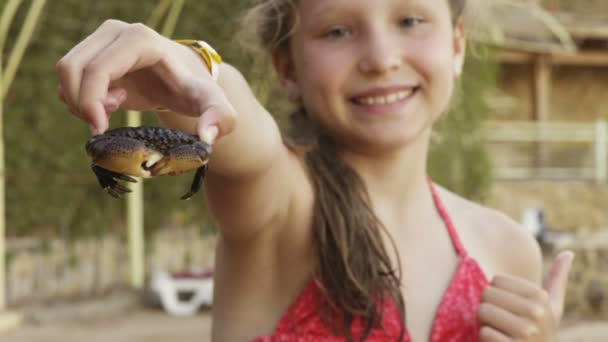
(373, 73)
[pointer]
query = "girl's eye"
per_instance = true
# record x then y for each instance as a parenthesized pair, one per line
(410, 22)
(338, 32)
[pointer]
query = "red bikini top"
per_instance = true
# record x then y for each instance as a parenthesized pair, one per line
(455, 320)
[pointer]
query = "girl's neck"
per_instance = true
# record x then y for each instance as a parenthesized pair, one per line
(396, 180)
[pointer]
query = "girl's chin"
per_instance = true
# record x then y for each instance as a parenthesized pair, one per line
(380, 134)
(396, 134)
(383, 142)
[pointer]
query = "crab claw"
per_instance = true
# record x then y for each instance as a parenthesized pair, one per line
(107, 180)
(182, 159)
(197, 182)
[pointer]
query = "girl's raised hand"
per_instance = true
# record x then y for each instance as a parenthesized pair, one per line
(130, 66)
(514, 309)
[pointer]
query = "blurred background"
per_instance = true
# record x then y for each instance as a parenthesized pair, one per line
(527, 135)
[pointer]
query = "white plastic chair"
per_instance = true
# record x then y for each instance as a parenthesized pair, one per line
(169, 287)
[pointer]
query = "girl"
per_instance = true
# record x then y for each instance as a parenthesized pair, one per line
(334, 233)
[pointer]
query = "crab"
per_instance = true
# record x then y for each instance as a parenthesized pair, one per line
(146, 152)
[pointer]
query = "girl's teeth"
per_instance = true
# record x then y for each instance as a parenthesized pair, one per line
(380, 100)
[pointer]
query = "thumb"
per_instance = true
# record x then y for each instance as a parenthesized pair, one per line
(556, 281)
(215, 122)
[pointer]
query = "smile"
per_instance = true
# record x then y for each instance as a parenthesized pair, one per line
(383, 99)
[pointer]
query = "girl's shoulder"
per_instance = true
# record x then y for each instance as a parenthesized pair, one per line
(499, 243)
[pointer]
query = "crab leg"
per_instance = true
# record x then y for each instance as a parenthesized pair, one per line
(107, 180)
(197, 182)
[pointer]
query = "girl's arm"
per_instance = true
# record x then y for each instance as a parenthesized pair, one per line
(253, 177)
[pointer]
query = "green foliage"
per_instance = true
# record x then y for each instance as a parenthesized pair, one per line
(459, 160)
(50, 188)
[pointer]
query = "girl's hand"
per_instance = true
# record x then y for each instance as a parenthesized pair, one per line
(514, 309)
(131, 66)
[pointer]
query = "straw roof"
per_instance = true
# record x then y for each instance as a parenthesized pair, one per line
(583, 27)
(550, 26)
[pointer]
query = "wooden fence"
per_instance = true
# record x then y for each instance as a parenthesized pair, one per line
(550, 150)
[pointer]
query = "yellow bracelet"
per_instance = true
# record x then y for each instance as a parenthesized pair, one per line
(210, 56)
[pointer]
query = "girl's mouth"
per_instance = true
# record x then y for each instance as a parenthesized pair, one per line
(382, 98)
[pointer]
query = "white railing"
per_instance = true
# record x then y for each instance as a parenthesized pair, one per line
(510, 139)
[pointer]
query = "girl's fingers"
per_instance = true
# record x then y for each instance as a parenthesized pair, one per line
(513, 303)
(115, 97)
(70, 67)
(489, 334)
(521, 287)
(168, 79)
(506, 322)
(217, 119)
(556, 282)
(133, 49)
(111, 104)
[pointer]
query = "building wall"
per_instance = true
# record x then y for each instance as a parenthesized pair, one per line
(40, 271)
(573, 206)
(578, 93)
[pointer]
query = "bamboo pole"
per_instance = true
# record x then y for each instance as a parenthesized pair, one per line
(601, 151)
(158, 13)
(171, 20)
(22, 42)
(9, 320)
(2, 199)
(135, 201)
(8, 13)
(23, 39)
(135, 221)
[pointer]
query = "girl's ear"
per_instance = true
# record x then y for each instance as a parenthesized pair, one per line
(460, 47)
(283, 66)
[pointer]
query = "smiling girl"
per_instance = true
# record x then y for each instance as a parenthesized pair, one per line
(333, 232)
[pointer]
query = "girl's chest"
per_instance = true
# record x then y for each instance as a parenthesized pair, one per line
(426, 278)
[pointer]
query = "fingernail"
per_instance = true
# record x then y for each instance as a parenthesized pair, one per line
(111, 107)
(568, 254)
(209, 134)
(94, 130)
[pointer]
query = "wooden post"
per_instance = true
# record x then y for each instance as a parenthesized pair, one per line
(601, 151)
(135, 221)
(135, 200)
(541, 88)
(541, 102)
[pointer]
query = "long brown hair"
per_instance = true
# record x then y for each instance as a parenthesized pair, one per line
(353, 267)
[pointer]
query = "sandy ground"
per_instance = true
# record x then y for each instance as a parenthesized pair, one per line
(134, 326)
(124, 319)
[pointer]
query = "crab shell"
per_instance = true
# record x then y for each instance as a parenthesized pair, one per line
(148, 151)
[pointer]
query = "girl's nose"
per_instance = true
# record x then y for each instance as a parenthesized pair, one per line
(380, 54)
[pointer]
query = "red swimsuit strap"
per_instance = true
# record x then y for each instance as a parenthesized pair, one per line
(447, 220)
